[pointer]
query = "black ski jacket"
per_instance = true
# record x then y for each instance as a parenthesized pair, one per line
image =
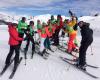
(86, 33)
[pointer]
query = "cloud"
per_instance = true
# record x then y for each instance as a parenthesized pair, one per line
(31, 8)
(20, 3)
(53, 6)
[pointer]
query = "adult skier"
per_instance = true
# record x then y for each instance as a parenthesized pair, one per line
(22, 25)
(87, 39)
(14, 44)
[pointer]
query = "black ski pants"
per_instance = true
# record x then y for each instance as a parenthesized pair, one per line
(11, 52)
(21, 35)
(27, 44)
(82, 52)
(56, 37)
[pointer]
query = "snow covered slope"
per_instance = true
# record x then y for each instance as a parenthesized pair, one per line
(94, 23)
(53, 68)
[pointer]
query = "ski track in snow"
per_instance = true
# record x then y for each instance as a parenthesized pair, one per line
(51, 69)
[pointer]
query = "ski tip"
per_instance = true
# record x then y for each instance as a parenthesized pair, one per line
(96, 77)
(10, 77)
(0, 74)
(60, 57)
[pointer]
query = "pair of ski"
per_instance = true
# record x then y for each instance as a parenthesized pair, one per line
(61, 49)
(14, 69)
(69, 61)
(45, 55)
(76, 58)
(73, 60)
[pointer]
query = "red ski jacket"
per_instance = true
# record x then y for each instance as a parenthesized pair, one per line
(60, 24)
(13, 36)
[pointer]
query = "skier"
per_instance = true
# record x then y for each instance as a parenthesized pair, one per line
(39, 26)
(49, 30)
(29, 37)
(75, 27)
(72, 33)
(43, 34)
(52, 20)
(87, 39)
(54, 27)
(14, 44)
(59, 26)
(22, 25)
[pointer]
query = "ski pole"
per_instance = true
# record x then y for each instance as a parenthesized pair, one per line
(25, 58)
(91, 50)
(68, 67)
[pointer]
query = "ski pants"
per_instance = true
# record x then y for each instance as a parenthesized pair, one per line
(11, 52)
(21, 35)
(82, 52)
(27, 44)
(76, 42)
(47, 43)
(71, 44)
(56, 37)
(42, 47)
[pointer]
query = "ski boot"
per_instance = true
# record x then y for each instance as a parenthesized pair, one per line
(40, 53)
(68, 51)
(75, 50)
(50, 49)
(83, 67)
(25, 53)
(32, 54)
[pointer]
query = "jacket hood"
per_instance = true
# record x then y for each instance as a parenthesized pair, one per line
(85, 25)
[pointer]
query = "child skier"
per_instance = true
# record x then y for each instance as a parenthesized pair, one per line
(58, 28)
(49, 30)
(43, 35)
(29, 37)
(75, 27)
(72, 33)
(52, 20)
(39, 26)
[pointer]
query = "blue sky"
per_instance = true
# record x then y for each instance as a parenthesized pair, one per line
(38, 7)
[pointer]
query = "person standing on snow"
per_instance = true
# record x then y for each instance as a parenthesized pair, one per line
(87, 39)
(14, 44)
(71, 32)
(39, 26)
(58, 28)
(29, 37)
(75, 27)
(49, 31)
(22, 25)
(43, 35)
(52, 20)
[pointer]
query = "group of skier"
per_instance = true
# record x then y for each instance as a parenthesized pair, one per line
(49, 32)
